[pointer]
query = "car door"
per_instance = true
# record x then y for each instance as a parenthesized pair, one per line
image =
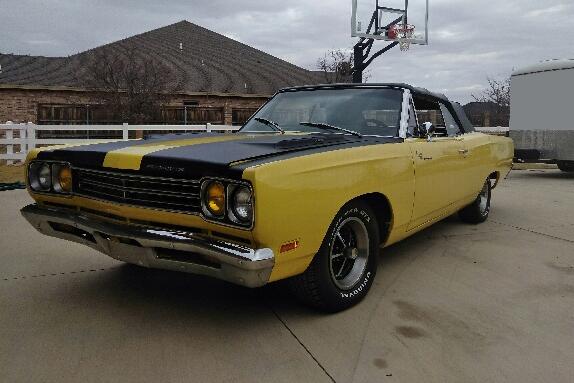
(439, 166)
(476, 151)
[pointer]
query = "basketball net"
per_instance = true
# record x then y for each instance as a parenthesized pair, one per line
(402, 33)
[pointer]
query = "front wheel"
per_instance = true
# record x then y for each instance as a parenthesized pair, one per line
(343, 270)
(477, 212)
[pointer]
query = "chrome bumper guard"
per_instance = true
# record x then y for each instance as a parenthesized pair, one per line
(162, 249)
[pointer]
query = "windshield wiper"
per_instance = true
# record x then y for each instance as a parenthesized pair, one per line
(270, 123)
(327, 126)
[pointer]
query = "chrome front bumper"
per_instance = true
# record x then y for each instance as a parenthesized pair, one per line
(162, 249)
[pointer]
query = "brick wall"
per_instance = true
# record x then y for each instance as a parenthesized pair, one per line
(227, 102)
(21, 105)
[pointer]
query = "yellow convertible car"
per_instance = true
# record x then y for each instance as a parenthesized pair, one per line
(309, 189)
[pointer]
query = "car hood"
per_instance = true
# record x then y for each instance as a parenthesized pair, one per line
(196, 154)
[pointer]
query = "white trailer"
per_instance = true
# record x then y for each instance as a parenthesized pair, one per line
(542, 113)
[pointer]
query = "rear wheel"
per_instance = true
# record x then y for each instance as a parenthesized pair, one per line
(566, 166)
(343, 270)
(477, 212)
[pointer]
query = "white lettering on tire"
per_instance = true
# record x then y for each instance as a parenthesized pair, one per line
(358, 289)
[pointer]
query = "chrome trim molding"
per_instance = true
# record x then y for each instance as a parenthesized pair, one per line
(403, 128)
(138, 190)
(146, 247)
(159, 189)
(52, 191)
(228, 218)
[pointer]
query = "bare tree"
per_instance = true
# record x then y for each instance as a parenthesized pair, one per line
(131, 87)
(337, 66)
(498, 92)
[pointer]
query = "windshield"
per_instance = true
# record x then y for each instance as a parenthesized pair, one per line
(366, 111)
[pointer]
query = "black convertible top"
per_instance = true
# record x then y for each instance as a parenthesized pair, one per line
(455, 107)
(413, 89)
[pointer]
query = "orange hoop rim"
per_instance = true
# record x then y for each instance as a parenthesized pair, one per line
(402, 32)
(402, 28)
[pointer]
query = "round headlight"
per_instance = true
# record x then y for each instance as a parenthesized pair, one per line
(215, 198)
(243, 203)
(65, 178)
(45, 176)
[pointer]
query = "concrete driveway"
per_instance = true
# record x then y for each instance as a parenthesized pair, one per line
(454, 303)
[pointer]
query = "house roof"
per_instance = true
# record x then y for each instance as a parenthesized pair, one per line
(203, 61)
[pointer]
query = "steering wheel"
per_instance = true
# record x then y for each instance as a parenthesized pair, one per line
(378, 123)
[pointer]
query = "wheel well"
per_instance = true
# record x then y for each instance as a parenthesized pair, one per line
(382, 209)
(494, 176)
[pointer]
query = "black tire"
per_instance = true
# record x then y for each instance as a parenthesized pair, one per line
(343, 270)
(566, 166)
(477, 212)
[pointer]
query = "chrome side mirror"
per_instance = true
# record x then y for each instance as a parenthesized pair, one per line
(427, 129)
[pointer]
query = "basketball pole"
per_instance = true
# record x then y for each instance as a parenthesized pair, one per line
(363, 48)
(360, 53)
(358, 57)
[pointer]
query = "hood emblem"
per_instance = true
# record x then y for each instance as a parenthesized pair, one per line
(165, 168)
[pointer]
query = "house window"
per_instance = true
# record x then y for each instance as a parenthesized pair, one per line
(190, 103)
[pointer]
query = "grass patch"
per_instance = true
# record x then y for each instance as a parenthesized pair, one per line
(12, 173)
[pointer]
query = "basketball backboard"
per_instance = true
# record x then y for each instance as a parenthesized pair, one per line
(372, 19)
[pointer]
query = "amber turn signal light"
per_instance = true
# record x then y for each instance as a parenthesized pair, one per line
(289, 246)
(216, 198)
(65, 178)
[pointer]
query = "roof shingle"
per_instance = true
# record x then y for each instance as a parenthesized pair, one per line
(204, 61)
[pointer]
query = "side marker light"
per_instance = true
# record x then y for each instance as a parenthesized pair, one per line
(289, 246)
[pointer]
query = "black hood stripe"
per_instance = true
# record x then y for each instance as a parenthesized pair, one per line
(240, 167)
(181, 155)
(232, 157)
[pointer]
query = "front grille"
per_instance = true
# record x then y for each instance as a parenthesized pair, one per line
(142, 191)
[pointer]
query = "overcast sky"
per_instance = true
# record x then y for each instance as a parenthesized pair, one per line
(468, 39)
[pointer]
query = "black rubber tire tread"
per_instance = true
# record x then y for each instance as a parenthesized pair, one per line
(307, 286)
(472, 213)
(566, 166)
(305, 289)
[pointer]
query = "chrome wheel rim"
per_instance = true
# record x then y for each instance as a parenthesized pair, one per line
(349, 252)
(483, 199)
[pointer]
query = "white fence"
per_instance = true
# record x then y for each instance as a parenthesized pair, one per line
(28, 140)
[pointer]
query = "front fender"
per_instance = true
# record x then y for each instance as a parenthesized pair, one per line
(297, 198)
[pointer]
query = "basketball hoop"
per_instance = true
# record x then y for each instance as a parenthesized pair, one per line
(402, 33)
